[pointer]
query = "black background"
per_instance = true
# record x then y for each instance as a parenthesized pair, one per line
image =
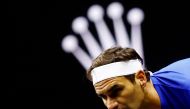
(47, 77)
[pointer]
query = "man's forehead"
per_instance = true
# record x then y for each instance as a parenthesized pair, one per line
(105, 85)
(109, 80)
(105, 82)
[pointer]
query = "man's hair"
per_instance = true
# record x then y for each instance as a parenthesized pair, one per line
(115, 54)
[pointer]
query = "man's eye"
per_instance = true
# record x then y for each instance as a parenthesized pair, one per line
(114, 94)
(115, 91)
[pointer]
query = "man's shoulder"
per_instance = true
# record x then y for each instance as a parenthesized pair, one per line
(181, 66)
(176, 74)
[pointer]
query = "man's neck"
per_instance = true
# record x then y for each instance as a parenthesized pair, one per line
(152, 100)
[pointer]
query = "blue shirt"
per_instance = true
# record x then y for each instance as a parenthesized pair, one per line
(172, 84)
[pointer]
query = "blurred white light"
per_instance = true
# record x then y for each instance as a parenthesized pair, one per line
(135, 16)
(95, 13)
(69, 43)
(80, 25)
(115, 10)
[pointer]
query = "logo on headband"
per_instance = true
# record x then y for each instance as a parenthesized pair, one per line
(96, 14)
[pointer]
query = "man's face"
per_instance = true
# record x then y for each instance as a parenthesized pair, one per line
(120, 93)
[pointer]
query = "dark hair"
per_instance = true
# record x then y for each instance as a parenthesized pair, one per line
(114, 54)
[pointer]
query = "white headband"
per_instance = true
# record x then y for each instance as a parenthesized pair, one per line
(115, 69)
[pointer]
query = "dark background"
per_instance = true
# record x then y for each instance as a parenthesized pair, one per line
(47, 77)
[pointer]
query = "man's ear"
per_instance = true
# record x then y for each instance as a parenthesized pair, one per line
(141, 78)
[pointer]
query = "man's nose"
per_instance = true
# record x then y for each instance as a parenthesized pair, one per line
(111, 103)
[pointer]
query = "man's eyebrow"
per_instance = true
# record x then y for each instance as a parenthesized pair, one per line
(112, 88)
(107, 90)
